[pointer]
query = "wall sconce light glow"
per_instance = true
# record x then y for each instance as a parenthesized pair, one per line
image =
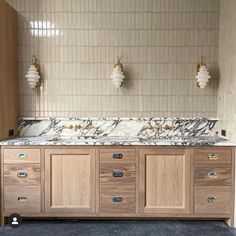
(202, 74)
(44, 29)
(117, 74)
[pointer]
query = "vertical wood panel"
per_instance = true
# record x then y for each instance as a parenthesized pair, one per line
(70, 180)
(8, 70)
(164, 181)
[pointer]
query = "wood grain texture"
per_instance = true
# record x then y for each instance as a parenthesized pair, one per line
(201, 175)
(128, 155)
(222, 204)
(32, 178)
(107, 170)
(11, 155)
(166, 181)
(8, 70)
(12, 203)
(133, 190)
(224, 155)
(126, 206)
(124, 186)
(70, 180)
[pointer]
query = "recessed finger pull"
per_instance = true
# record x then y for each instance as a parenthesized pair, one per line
(117, 173)
(22, 156)
(212, 199)
(117, 155)
(22, 199)
(212, 174)
(22, 174)
(213, 156)
(117, 198)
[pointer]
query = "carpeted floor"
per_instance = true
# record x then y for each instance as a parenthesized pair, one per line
(120, 228)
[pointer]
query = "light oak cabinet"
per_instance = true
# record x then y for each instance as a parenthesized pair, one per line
(70, 180)
(118, 182)
(165, 180)
(8, 71)
(21, 181)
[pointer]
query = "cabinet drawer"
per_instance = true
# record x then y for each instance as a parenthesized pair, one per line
(212, 199)
(117, 174)
(22, 199)
(117, 155)
(21, 155)
(22, 174)
(117, 202)
(213, 155)
(210, 175)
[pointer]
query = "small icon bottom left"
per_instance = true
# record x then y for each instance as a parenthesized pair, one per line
(14, 220)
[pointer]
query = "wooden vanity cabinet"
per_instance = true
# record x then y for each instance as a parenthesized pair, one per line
(213, 180)
(118, 182)
(21, 180)
(70, 180)
(164, 180)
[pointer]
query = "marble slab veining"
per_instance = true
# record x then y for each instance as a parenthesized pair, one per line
(119, 131)
(148, 128)
(189, 141)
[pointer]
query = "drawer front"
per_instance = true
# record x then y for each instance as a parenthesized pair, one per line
(212, 199)
(22, 199)
(117, 155)
(22, 174)
(117, 202)
(213, 155)
(210, 175)
(21, 155)
(113, 174)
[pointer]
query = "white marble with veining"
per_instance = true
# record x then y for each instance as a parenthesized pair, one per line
(47, 140)
(119, 131)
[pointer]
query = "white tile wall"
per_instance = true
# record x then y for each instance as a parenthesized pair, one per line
(227, 64)
(77, 42)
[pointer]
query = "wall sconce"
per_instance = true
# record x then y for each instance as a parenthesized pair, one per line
(33, 76)
(202, 74)
(117, 74)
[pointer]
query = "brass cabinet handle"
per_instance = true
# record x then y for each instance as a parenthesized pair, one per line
(212, 174)
(117, 198)
(117, 155)
(213, 156)
(22, 156)
(117, 173)
(22, 174)
(211, 199)
(22, 199)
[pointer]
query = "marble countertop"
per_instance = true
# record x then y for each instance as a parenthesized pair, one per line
(115, 140)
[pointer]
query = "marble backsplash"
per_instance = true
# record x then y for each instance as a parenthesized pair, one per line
(146, 128)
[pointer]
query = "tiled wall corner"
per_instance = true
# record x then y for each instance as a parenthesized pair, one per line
(227, 61)
(77, 42)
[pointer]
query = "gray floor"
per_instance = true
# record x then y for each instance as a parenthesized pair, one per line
(120, 228)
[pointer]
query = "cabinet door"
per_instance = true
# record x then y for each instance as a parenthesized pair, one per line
(164, 180)
(70, 180)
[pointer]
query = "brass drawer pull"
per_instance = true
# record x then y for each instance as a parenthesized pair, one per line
(22, 156)
(117, 155)
(117, 198)
(117, 173)
(22, 199)
(22, 174)
(212, 174)
(213, 156)
(212, 199)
